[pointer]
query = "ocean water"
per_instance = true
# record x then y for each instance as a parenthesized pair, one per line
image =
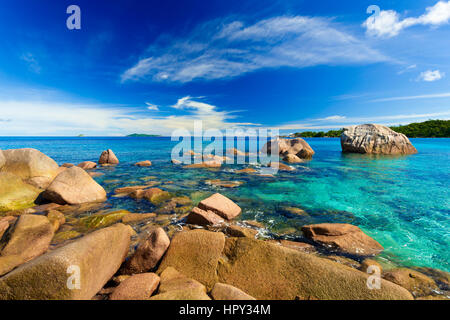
(402, 202)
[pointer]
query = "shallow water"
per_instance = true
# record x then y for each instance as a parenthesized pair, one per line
(402, 202)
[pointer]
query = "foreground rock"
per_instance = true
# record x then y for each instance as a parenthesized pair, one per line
(137, 287)
(148, 253)
(222, 291)
(28, 238)
(31, 165)
(108, 157)
(343, 237)
(203, 217)
(415, 282)
(2, 159)
(98, 256)
(74, 186)
(267, 271)
(297, 147)
(375, 138)
(16, 194)
(221, 206)
(176, 286)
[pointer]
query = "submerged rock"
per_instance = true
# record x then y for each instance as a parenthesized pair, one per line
(108, 157)
(342, 237)
(280, 166)
(102, 220)
(74, 186)
(375, 138)
(224, 184)
(205, 164)
(16, 194)
(267, 271)
(53, 276)
(148, 252)
(28, 238)
(146, 163)
(221, 206)
(31, 165)
(246, 170)
(137, 287)
(56, 218)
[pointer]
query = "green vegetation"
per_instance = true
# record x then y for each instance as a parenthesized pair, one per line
(319, 134)
(143, 135)
(427, 129)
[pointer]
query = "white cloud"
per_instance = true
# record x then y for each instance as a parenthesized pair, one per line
(151, 106)
(332, 118)
(388, 23)
(48, 117)
(430, 75)
(233, 49)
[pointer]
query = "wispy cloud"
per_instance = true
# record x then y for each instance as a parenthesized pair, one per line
(416, 97)
(388, 23)
(33, 64)
(151, 106)
(232, 49)
(332, 118)
(389, 120)
(430, 76)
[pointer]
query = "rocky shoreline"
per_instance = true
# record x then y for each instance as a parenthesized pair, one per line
(58, 241)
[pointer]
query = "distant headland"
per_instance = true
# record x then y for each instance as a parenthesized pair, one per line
(139, 135)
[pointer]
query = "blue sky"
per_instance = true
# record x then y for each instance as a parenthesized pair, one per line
(156, 66)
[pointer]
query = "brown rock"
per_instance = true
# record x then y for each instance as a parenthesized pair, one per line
(280, 166)
(31, 165)
(137, 287)
(2, 159)
(195, 254)
(342, 237)
(129, 189)
(98, 256)
(86, 165)
(366, 263)
(108, 157)
(267, 271)
(246, 170)
(298, 147)
(74, 186)
(56, 218)
(205, 164)
(28, 238)
(137, 217)
(292, 158)
(238, 231)
(148, 252)
(175, 161)
(203, 217)
(220, 205)
(146, 163)
(222, 291)
(188, 294)
(67, 165)
(415, 282)
(300, 246)
(16, 194)
(172, 280)
(375, 138)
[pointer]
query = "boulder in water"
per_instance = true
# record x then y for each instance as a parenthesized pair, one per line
(375, 139)
(108, 157)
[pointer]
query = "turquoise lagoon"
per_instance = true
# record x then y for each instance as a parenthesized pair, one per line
(402, 202)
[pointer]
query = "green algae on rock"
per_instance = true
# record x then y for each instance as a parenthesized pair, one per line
(16, 194)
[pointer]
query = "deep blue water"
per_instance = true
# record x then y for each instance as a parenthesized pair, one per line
(402, 202)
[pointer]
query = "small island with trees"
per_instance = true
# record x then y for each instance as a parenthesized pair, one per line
(141, 135)
(427, 129)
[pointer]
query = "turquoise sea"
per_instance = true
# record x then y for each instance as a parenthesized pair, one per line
(402, 202)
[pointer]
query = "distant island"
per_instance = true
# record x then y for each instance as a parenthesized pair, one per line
(427, 129)
(139, 135)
